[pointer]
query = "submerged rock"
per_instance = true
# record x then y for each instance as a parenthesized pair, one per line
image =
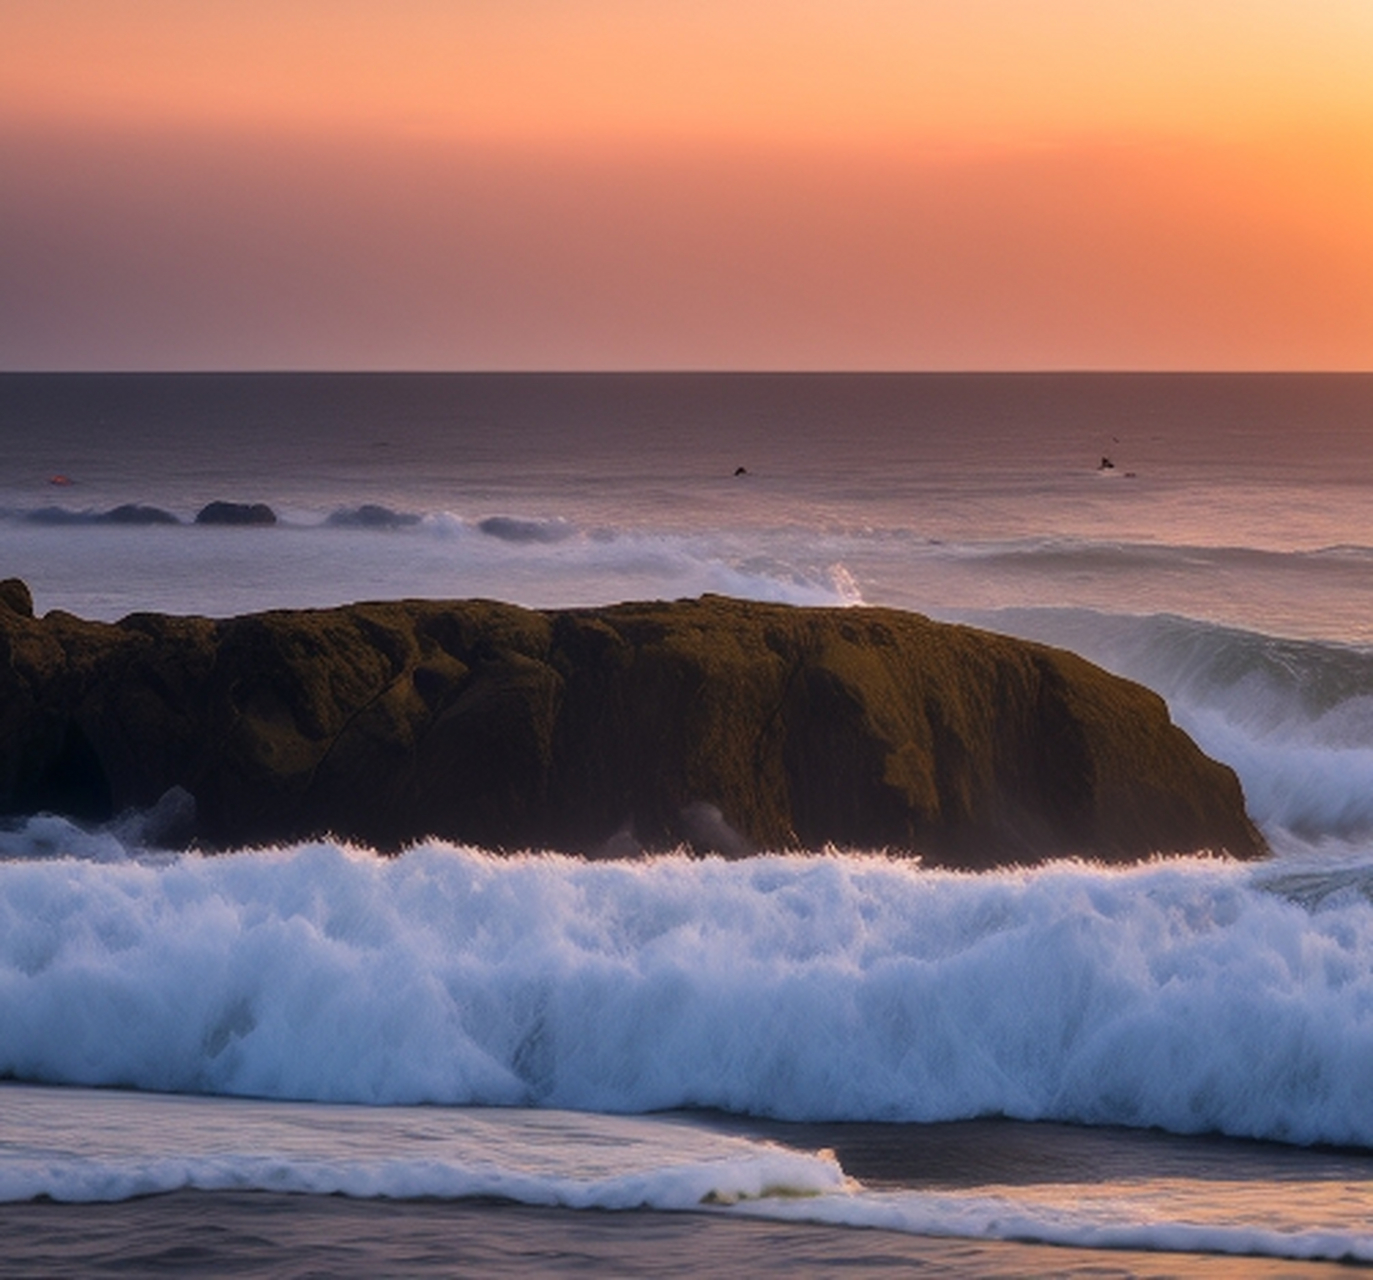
(716, 723)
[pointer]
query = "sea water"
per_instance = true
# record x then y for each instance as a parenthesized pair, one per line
(1222, 557)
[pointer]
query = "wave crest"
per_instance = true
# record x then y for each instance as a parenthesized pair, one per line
(1183, 995)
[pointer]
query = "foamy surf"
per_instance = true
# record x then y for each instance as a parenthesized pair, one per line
(1293, 718)
(81, 1145)
(1178, 1219)
(105, 571)
(84, 1146)
(1190, 995)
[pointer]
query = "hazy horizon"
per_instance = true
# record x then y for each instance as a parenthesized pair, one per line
(611, 186)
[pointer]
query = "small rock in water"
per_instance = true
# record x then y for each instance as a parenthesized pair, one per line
(236, 513)
(511, 529)
(135, 513)
(372, 516)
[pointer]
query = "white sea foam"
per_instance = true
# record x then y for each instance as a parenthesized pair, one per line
(1191, 995)
(107, 571)
(1127, 1217)
(77, 1145)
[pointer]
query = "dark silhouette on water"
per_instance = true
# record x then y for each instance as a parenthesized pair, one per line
(136, 513)
(372, 516)
(721, 724)
(236, 513)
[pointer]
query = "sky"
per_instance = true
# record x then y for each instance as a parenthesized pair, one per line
(667, 184)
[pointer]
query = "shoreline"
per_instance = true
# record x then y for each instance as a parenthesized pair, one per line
(951, 1155)
(235, 1233)
(1032, 1168)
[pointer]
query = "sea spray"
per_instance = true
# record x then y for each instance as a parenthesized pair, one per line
(1293, 718)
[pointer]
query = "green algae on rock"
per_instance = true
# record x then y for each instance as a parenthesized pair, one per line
(720, 724)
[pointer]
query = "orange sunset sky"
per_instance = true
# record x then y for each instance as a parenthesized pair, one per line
(568, 184)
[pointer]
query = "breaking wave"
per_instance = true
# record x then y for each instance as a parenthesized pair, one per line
(1192, 995)
(103, 568)
(1294, 718)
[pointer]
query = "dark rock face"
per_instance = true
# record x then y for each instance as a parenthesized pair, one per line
(727, 725)
(16, 597)
(236, 513)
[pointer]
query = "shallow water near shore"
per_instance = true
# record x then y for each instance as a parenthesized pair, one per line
(1223, 559)
(234, 1234)
(275, 1184)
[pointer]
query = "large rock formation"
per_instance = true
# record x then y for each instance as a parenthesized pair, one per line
(723, 724)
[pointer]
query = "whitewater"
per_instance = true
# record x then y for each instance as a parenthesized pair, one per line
(1189, 995)
(457, 1023)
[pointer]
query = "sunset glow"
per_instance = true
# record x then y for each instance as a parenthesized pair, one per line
(613, 184)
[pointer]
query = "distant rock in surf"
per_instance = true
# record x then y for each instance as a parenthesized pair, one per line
(509, 529)
(134, 513)
(371, 516)
(236, 513)
(720, 724)
(128, 513)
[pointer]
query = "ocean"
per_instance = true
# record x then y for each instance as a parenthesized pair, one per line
(314, 1060)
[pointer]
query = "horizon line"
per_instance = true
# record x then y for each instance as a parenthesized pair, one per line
(684, 371)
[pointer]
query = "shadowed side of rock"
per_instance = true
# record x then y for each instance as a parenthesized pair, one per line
(723, 724)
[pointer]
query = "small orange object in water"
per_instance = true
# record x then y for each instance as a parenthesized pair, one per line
(59, 479)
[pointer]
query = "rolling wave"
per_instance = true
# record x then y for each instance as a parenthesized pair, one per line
(1191, 995)
(84, 1146)
(1294, 718)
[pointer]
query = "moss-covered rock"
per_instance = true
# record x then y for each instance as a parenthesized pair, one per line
(720, 723)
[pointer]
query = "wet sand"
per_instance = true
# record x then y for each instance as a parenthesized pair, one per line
(225, 1234)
